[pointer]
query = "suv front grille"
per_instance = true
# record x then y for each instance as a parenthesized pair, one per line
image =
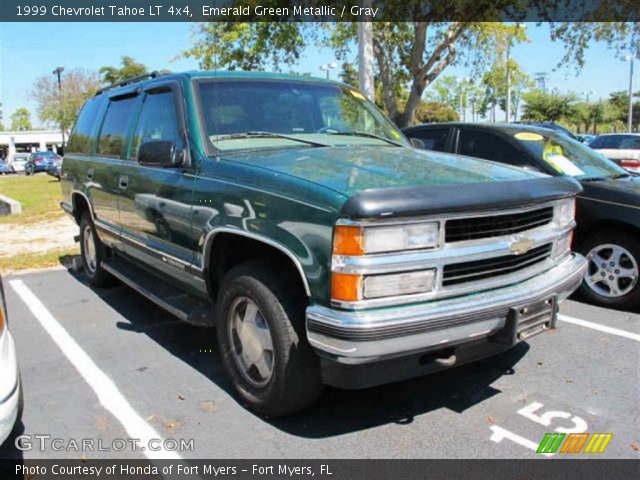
(497, 225)
(492, 267)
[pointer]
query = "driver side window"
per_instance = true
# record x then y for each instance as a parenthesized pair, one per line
(157, 121)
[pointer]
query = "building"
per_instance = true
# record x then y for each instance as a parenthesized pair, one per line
(29, 141)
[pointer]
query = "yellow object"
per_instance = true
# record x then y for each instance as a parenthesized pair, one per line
(357, 94)
(532, 137)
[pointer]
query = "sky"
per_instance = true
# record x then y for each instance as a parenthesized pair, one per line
(28, 51)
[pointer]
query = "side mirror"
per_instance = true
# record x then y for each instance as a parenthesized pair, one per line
(161, 153)
(416, 143)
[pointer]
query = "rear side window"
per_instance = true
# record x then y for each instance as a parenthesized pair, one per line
(434, 138)
(158, 121)
(115, 128)
(489, 147)
(81, 138)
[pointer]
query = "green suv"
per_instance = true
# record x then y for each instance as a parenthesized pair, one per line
(291, 214)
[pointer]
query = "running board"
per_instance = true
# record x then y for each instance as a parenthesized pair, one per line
(187, 308)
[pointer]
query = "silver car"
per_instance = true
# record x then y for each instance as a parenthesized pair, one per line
(10, 388)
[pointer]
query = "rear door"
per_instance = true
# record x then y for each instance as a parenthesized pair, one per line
(156, 199)
(111, 159)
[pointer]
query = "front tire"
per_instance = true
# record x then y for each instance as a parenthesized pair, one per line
(262, 341)
(93, 253)
(613, 278)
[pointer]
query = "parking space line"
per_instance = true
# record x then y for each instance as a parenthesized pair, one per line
(106, 390)
(600, 328)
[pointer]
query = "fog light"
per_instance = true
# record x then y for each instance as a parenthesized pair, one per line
(392, 285)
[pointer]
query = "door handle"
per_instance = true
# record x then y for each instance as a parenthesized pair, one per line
(123, 182)
(90, 174)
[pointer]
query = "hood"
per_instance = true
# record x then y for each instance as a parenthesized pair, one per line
(621, 190)
(352, 169)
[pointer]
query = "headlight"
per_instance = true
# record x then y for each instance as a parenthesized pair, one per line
(353, 287)
(565, 213)
(563, 245)
(359, 240)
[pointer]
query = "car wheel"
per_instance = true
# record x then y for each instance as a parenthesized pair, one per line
(28, 171)
(262, 341)
(613, 278)
(93, 253)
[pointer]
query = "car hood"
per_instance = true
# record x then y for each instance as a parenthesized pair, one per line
(620, 190)
(349, 170)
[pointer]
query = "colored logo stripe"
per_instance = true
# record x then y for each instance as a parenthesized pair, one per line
(598, 442)
(574, 443)
(550, 443)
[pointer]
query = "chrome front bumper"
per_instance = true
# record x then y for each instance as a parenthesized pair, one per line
(9, 385)
(359, 337)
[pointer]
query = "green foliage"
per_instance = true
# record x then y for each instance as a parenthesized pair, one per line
(619, 102)
(546, 107)
(1, 125)
(21, 120)
(435, 112)
(248, 46)
(349, 75)
(53, 108)
(129, 68)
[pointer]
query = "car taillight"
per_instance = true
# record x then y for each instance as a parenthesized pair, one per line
(633, 165)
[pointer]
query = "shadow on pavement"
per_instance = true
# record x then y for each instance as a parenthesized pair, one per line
(338, 411)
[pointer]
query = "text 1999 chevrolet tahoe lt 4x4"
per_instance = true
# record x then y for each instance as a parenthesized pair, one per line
(290, 213)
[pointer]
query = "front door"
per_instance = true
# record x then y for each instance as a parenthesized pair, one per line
(156, 199)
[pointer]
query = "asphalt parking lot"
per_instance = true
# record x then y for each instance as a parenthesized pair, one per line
(106, 364)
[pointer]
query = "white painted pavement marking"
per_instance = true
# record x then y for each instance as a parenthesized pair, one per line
(600, 328)
(107, 392)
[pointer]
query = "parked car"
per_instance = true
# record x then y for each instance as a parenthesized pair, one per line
(40, 161)
(55, 168)
(608, 210)
(17, 162)
(622, 148)
(586, 138)
(5, 168)
(330, 251)
(10, 389)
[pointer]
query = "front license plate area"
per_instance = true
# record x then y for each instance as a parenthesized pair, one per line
(528, 320)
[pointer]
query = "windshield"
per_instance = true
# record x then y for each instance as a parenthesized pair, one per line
(296, 113)
(569, 157)
(631, 142)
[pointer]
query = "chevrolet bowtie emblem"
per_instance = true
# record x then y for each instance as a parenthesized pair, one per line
(521, 246)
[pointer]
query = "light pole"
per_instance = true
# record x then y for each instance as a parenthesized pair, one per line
(629, 58)
(326, 67)
(57, 72)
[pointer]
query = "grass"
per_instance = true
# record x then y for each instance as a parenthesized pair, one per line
(50, 258)
(39, 195)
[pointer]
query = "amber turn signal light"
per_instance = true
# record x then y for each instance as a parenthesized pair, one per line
(348, 240)
(346, 287)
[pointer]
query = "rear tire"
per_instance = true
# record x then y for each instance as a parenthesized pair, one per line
(262, 341)
(613, 278)
(93, 253)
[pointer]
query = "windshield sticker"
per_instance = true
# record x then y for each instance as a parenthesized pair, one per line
(528, 136)
(395, 134)
(357, 94)
(554, 156)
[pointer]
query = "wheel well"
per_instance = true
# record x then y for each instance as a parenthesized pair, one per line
(583, 234)
(228, 250)
(80, 206)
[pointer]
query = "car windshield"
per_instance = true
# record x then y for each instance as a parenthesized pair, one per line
(618, 142)
(241, 114)
(569, 157)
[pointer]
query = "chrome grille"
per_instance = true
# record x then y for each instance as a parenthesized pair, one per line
(457, 273)
(457, 230)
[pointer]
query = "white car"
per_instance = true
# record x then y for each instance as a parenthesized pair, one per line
(622, 148)
(17, 162)
(10, 388)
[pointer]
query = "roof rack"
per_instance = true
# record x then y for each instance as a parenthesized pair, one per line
(128, 81)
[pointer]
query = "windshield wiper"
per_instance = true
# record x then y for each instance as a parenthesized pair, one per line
(358, 133)
(233, 136)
